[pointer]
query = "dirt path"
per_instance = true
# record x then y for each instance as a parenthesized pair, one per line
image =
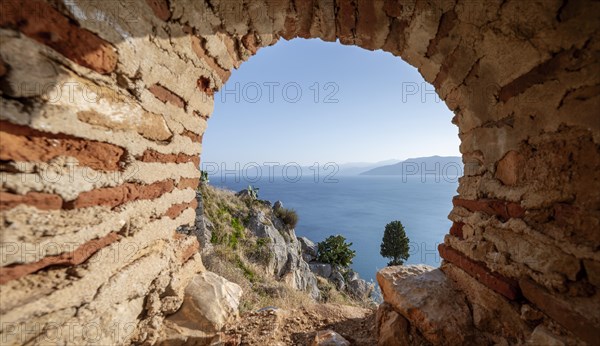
(276, 326)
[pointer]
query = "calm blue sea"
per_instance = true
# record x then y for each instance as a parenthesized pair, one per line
(359, 207)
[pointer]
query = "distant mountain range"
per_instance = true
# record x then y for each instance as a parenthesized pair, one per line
(356, 168)
(434, 165)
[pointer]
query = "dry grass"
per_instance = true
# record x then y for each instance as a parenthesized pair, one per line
(260, 288)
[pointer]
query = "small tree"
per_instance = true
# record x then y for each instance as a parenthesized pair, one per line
(335, 251)
(395, 243)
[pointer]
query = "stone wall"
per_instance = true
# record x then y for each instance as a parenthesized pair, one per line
(104, 104)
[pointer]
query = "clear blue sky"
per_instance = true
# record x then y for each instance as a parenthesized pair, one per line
(367, 109)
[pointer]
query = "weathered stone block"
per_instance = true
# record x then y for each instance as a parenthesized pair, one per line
(427, 299)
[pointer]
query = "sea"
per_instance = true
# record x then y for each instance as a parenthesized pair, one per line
(358, 207)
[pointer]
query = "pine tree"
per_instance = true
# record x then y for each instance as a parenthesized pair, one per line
(395, 243)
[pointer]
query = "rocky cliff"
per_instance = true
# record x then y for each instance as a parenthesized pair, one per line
(226, 222)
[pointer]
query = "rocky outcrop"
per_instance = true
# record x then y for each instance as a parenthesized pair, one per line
(359, 288)
(427, 303)
(309, 249)
(201, 228)
(286, 262)
(343, 278)
(321, 269)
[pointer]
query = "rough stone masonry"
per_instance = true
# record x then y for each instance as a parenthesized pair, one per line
(103, 105)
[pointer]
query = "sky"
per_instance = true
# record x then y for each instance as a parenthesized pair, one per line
(308, 101)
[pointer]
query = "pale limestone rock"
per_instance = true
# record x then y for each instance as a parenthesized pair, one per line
(309, 248)
(210, 301)
(542, 336)
(286, 263)
(427, 298)
(329, 338)
(360, 288)
(321, 269)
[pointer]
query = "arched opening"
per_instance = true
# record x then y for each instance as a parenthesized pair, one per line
(336, 113)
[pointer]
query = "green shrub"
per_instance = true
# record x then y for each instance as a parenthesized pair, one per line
(289, 217)
(335, 251)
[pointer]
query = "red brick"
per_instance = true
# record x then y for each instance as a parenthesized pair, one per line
(166, 95)
(21, 143)
(496, 282)
(160, 8)
(189, 251)
(503, 209)
(560, 310)
(196, 138)
(42, 201)
(154, 156)
(115, 196)
(80, 255)
(43, 23)
(456, 229)
(176, 209)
